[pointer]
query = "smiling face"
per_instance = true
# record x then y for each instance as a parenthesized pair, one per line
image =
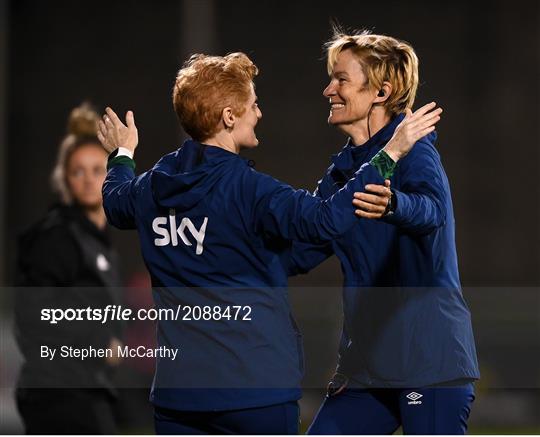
(349, 95)
(243, 132)
(85, 173)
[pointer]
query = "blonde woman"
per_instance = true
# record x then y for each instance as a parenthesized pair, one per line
(407, 354)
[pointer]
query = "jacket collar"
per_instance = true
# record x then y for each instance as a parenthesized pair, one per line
(352, 153)
(211, 153)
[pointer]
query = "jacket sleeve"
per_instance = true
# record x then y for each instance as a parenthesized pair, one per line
(47, 268)
(298, 215)
(119, 193)
(420, 202)
(303, 257)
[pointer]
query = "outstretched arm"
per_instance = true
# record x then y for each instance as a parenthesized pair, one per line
(412, 128)
(297, 215)
(420, 204)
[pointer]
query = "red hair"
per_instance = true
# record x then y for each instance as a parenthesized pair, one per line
(205, 85)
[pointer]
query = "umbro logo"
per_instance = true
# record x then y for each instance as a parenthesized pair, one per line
(413, 396)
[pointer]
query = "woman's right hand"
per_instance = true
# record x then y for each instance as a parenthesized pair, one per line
(413, 127)
(114, 134)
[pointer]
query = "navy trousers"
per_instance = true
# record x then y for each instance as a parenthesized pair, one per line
(434, 410)
(273, 419)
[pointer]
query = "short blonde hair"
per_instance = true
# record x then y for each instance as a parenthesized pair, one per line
(205, 85)
(81, 131)
(382, 58)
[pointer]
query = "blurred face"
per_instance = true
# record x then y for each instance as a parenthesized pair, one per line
(85, 173)
(244, 127)
(348, 93)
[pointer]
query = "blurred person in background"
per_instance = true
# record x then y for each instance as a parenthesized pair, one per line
(66, 261)
(134, 376)
(407, 355)
(213, 232)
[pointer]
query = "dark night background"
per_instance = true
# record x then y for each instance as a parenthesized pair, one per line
(480, 61)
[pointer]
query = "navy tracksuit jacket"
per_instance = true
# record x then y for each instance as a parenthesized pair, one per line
(406, 323)
(206, 219)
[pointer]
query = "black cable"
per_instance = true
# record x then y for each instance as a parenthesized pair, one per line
(368, 129)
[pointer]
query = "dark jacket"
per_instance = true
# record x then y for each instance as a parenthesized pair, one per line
(406, 323)
(64, 261)
(207, 219)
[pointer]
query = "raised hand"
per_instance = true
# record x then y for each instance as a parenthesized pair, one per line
(413, 127)
(373, 202)
(113, 133)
